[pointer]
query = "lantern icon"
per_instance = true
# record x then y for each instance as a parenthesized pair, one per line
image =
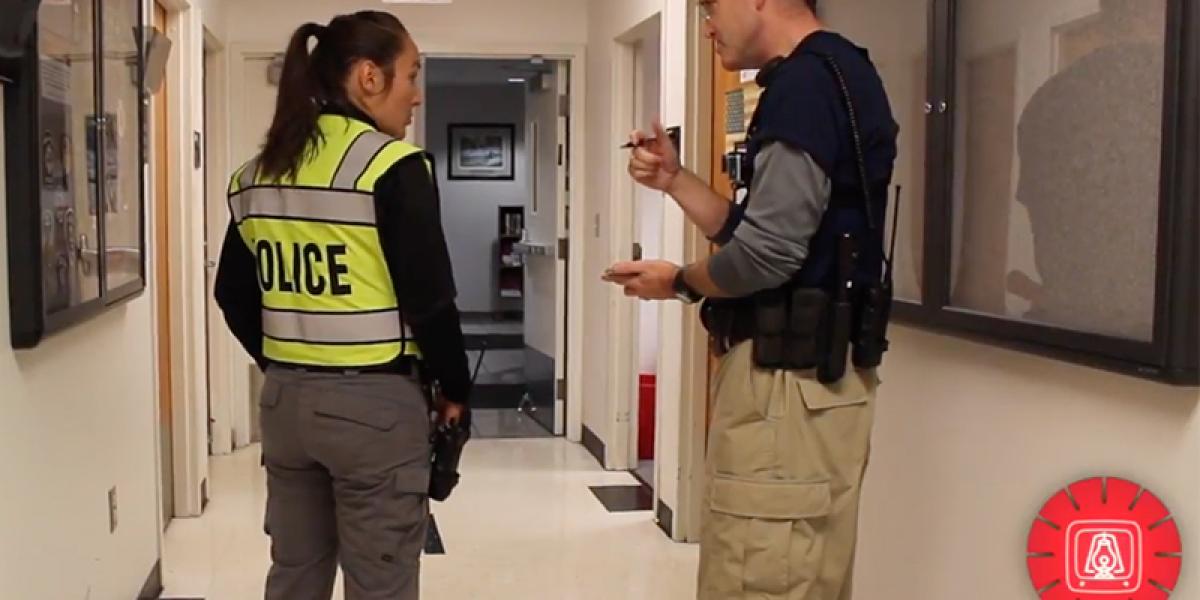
(1104, 556)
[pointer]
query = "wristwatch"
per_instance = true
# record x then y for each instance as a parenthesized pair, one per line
(684, 292)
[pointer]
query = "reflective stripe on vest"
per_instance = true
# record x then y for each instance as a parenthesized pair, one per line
(328, 297)
(333, 328)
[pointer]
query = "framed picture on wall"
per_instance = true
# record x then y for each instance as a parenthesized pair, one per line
(481, 151)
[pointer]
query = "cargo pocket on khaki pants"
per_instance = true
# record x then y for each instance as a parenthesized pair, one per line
(760, 538)
(828, 436)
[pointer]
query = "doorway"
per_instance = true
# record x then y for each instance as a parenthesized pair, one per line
(497, 129)
(648, 230)
(638, 227)
(235, 421)
(162, 276)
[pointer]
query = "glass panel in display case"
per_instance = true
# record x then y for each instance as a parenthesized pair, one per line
(66, 177)
(120, 144)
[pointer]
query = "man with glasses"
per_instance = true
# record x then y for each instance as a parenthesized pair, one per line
(796, 289)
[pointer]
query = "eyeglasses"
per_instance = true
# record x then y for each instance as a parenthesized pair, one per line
(706, 8)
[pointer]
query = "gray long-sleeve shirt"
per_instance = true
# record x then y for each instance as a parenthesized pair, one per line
(789, 195)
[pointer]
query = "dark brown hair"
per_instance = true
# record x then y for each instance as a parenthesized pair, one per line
(313, 80)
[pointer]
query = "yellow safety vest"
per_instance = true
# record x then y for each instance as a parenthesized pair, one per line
(327, 294)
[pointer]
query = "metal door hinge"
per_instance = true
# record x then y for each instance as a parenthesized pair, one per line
(564, 249)
(564, 105)
(560, 392)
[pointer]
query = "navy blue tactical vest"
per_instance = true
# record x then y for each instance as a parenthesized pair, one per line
(802, 105)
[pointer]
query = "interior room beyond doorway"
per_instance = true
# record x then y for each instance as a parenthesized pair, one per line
(492, 128)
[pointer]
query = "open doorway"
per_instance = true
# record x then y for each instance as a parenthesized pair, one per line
(648, 229)
(497, 129)
(638, 234)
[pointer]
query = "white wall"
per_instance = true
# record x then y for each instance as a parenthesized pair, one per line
(77, 417)
(970, 441)
(472, 22)
(470, 209)
(215, 17)
(541, 323)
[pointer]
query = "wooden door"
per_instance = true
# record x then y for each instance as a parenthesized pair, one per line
(733, 103)
(162, 297)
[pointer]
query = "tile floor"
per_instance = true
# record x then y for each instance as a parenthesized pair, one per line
(524, 525)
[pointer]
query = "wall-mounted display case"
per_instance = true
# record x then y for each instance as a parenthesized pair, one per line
(75, 123)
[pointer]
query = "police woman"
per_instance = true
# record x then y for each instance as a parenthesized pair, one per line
(335, 278)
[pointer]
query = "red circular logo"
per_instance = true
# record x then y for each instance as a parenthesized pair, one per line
(1104, 538)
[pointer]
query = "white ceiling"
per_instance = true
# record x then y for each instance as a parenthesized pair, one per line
(479, 71)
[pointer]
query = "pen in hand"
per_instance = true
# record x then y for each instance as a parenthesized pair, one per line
(639, 144)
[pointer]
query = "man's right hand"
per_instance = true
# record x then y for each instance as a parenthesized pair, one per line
(654, 163)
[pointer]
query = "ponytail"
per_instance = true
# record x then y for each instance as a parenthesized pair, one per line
(312, 80)
(294, 129)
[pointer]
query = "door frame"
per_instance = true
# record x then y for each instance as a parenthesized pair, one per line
(164, 390)
(230, 417)
(696, 358)
(188, 369)
(575, 56)
(216, 158)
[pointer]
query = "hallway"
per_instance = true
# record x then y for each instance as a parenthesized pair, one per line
(523, 525)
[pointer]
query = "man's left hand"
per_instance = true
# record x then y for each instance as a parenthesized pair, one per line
(645, 279)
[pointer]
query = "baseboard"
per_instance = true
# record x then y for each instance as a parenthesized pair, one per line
(594, 445)
(153, 588)
(666, 519)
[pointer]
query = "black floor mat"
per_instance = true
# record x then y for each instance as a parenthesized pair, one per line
(624, 498)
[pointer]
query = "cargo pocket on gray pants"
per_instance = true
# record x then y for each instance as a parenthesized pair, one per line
(268, 400)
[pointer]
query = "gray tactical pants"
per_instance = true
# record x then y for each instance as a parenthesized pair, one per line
(347, 459)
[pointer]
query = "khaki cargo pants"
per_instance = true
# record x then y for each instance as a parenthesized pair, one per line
(786, 458)
(347, 459)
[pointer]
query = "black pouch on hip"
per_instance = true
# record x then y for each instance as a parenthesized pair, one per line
(770, 329)
(807, 335)
(448, 442)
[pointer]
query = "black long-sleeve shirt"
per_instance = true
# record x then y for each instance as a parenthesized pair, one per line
(408, 217)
